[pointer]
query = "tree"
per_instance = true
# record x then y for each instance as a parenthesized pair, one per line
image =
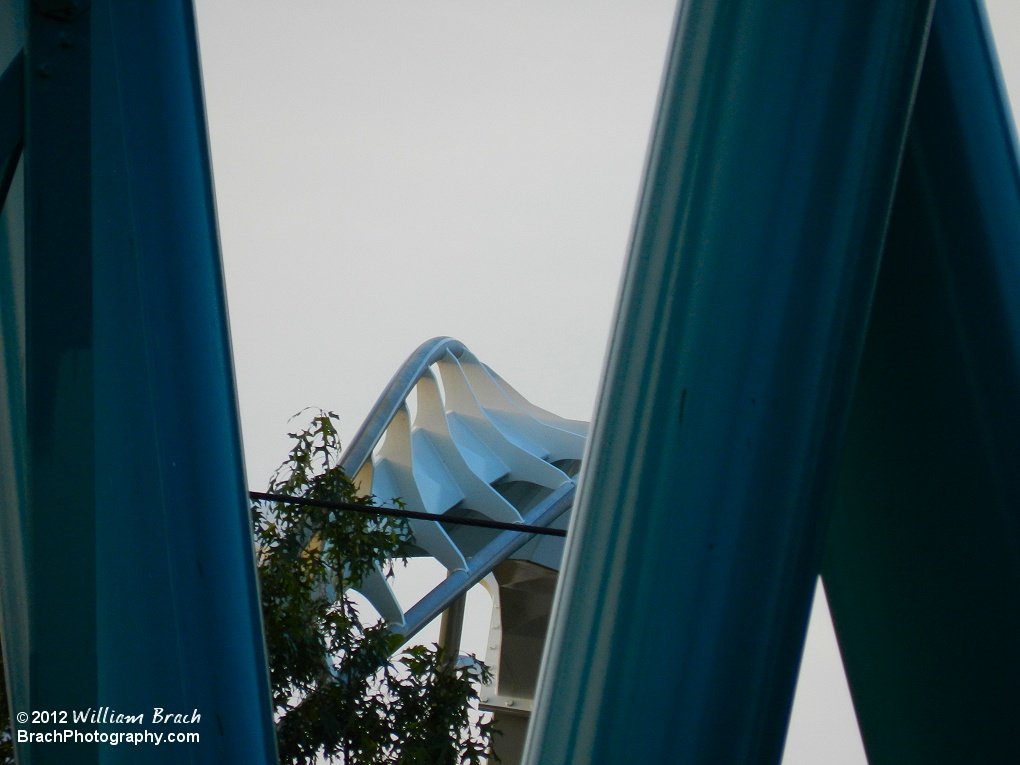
(336, 690)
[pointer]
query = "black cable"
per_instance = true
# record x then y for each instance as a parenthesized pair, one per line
(400, 513)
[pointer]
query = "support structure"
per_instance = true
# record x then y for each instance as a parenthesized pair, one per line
(473, 448)
(922, 562)
(128, 576)
(703, 508)
(758, 385)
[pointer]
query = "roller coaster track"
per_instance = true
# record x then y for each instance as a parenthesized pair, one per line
(473, 447)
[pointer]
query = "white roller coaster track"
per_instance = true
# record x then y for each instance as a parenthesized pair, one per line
(474, 448)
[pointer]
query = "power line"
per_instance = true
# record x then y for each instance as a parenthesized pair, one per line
(397, 512)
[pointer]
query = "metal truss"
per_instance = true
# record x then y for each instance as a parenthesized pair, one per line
(473, 447)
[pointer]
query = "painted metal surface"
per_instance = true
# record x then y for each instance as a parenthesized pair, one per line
(127, 571)
(922, 564)
(140, 586)
(522, 595)
(501, 548)
(176, 487)
(475, 446)
(13, 440)
(61, 560)
(698, 531)
(12, 120)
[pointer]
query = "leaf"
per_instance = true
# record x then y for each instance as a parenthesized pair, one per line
(337, 690)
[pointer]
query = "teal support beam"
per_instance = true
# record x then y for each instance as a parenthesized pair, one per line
(12, 120)
(13, 440)
(170, 427)
(698, 532)
(61, 533)
(129, 580)
(922, 565)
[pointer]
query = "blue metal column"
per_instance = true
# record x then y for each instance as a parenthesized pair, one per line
(922, 564)
(139, 584)
(61, 533)
(12, 119)
(698, 532)
(13, 446)
(176, 569)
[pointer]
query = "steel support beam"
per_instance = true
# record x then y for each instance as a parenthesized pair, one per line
(457, 583)
(699, 527)
(12, 120)
(139, 585)
(60, 375)
(13, 441)
(922, 565)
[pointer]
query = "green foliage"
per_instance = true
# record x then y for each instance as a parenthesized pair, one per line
(431, 710)
(337, 692)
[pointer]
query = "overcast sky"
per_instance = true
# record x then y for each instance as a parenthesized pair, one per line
(391, 171)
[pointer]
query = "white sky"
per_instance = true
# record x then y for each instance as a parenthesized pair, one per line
(391, 171)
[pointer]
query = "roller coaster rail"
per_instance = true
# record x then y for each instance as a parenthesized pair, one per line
(470, 441)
